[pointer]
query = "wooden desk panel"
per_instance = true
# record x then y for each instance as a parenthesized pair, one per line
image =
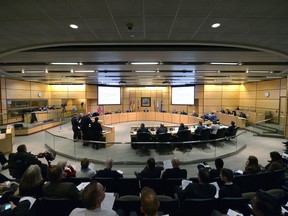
(123, 117)
(226, 120)
(184, 119)
(167, 117)
(150, 116)
(115, 118)
(175, 118)
(131, 116)
(159, 116)
(140, 116)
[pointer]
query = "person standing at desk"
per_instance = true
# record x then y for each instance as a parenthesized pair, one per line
(76, 127)
(96, 132)
(85, 123)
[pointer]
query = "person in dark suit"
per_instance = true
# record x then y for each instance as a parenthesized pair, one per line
(76, 126)
(150, 170)
(228, 189)
(219, 164)
(57, 188)
(143, 129)
(108, 172)
(230, 129)
(199, 190)
(85, 122)
(175, 172)
(96, 132)
(30, 159)
(242, 115)
(182, 127)
(198, 130)
(162, 129)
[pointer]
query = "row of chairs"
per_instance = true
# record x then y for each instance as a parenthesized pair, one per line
(132, 186)
(47, 206)
(167, 142)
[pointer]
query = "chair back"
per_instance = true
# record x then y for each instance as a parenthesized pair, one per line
(164, 137)
(143, 137)
(245, 182)
(221, 133)
(239, 204)
(155, 183)
(128, 186)
(168, 205)
(110, 184)
(198, 207)
(132, 203)
(234, 132)
(184, 135)
(170, 185)
(205, 134)
(57, 206)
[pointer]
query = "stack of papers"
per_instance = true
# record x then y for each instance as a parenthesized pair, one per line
(82, 185)
(108, 201)
(167, 164)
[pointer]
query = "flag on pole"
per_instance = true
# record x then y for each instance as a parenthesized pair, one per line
(134, 106)
(161, 106)
(138, 106)
(130, 106)
(154, 105)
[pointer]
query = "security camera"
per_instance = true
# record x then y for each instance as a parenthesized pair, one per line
(129, 26)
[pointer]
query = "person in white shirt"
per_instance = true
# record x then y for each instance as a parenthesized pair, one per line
(85, 171)
(214, 129)
(92, 197)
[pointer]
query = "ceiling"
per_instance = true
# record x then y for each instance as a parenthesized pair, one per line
(175, 34)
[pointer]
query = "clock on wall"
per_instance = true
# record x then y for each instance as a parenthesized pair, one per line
(39, 94)
(266, 94)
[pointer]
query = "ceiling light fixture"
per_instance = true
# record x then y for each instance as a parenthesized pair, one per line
(144, 63)
(84, 71)
(145, 71)
(34, 71)
(64, 63)
(259, 71)
(224, 63)
(73, 26)
(22, 71)
(207, 71)
(215, 25)
(72, 71)
(46, 70)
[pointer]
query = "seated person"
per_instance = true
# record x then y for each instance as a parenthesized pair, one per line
(242, 115)
(195, 114)
(31, 183)
(199, 190)
(214, 129)
(198, 130)
(85, 171)
(183, 112)
(57, 188)
(30, 159)
(230, 129)
(68, 170)
(252, 166)
(149, 202)
(222, 110)
(150, 170)
(264, 204)
(182, 127)
(214, 173)
(162, 129)
(228, 189)
(92, 197)
(227, 112)
(143, 129)
(276, 162)
(174, 111)
(175, 172)
(107, 172)
(234, 113)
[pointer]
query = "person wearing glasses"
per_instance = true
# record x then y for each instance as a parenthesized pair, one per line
(92, 197)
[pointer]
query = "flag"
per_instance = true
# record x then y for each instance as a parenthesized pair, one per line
(138, 106)
(161, 106)
(154, 105)
(130, 106)
(134, 106)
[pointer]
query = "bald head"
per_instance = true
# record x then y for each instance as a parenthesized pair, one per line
(175, 162)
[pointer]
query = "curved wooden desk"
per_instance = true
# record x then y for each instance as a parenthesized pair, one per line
(148, 116)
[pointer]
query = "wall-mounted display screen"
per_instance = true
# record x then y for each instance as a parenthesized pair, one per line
(108, 95)
(183, 95)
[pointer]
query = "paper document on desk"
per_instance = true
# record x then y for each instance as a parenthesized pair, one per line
(30, 199)
(217, 189)
(82, 185)
(184, 183)
(108, 201)
(91, 166)
(233, 213)
(167, 164)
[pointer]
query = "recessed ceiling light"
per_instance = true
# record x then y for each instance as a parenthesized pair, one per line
(215, 25)
(224, 63)
(46, 70)
(84, 71)
(144, 63)
(64, 63)
(73, 26)
(145, 71)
